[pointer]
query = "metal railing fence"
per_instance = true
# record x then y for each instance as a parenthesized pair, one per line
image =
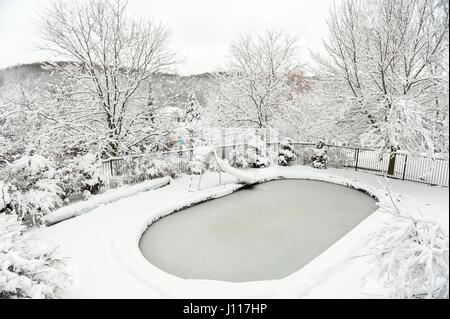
(395, 165)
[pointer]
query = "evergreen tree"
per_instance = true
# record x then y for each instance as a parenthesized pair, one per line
(193, 109)
(286, 153)
(320, 157)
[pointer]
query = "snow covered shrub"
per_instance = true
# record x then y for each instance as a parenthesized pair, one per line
(150, 166)
(254, 155)
(83, 173)
(86, 194)
(193, 109)
(32, 188)
(320, 157)
(286, 154)
(29, 268)
(304, 155)
(411, 256)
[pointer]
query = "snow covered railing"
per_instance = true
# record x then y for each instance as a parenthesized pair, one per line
(398, 165)
(124, 166)
(417, 168)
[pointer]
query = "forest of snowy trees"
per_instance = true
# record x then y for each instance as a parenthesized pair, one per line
(382, 84)
(392, 58)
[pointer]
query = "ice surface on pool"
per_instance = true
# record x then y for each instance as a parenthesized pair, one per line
(265, 232)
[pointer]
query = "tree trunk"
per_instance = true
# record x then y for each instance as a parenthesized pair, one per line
(391, 167)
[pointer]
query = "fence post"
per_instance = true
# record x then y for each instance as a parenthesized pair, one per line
(404, 167)
(234, 149)
(391, 166)
(357, 158)
(110, 175)
(3, 197)
(223, 143)
(245, 150)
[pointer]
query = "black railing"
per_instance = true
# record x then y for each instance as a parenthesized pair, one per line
(394, 165)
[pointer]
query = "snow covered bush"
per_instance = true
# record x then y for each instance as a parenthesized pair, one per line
(150, 166)
(83, 173)
(304, 155)
(29, 268)
(86, 194)
(32, 188)
(286, 153)
(255, 154)
(193, 109)
(320, 157)
(411, 256)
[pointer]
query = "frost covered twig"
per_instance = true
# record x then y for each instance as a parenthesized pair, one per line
(411, 255)
(29, 268)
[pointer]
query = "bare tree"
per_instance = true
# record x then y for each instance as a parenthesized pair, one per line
(392, 56)
(261, 80)
(113, 56)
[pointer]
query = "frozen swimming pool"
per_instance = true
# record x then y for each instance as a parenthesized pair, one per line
(264, 232)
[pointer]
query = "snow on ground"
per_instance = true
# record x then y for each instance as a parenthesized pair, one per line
(108, 197)
(103, 245)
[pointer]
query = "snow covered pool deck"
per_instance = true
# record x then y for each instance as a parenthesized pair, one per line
(104, 244)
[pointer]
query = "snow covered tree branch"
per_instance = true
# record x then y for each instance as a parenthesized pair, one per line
(392, 57)
(113, 57)
(262, 80)
(28, 267)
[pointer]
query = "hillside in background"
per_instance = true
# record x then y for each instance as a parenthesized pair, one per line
(163, 81)
(199, 83)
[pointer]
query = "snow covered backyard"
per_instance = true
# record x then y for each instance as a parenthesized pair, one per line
(103, 244)
(172, 149)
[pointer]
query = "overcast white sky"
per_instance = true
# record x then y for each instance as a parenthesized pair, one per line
(201, 29)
